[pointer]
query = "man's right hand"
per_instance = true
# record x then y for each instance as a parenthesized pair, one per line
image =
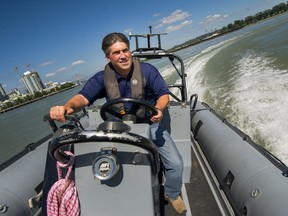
(58, 113)
(75, 104)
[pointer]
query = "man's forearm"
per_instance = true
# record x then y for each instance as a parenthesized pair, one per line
(76, 103)
(162, 102)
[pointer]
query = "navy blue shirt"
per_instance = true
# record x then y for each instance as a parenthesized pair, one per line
(155, 85)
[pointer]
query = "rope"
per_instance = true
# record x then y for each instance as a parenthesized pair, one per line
(62, 197)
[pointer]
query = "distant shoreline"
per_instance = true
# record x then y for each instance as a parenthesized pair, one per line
(197, 41)
(36, 99)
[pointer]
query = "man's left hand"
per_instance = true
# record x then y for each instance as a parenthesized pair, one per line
(158, 117)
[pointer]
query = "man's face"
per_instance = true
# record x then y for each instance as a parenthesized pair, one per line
(120, 57)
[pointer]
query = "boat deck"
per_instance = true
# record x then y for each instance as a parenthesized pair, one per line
(198, 194)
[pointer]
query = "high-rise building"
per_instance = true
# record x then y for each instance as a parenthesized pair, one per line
(32, 82)
(3, 95)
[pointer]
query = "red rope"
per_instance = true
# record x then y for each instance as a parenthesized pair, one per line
(62, 197)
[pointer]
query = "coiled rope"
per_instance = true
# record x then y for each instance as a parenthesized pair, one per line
(62, 197)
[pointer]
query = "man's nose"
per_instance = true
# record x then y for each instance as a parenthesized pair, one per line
(122, 55)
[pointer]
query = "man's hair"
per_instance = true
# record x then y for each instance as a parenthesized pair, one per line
(112, 38)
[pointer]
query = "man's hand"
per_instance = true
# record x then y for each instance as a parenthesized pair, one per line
(161, 104)
(58, 113)
(75, 104)
(158, 117)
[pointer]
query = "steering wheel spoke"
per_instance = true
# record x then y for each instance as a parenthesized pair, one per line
(108, 108)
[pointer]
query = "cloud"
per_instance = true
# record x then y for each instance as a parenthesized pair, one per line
(78, 62)
(46, 63)
(177, 27)
(176, 16)
(61, 69)
(50, 74)
(213, 18)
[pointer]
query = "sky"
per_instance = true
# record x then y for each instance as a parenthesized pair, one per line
(61, 39)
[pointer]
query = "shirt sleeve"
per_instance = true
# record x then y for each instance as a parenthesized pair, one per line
(94, 88)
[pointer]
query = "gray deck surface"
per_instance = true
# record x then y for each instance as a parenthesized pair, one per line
(201, 200)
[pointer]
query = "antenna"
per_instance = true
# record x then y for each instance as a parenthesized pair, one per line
(148, 36)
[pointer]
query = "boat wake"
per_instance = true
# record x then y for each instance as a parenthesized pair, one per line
(261, 93)
(255, 98)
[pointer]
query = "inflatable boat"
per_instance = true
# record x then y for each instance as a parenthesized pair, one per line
(113, 168)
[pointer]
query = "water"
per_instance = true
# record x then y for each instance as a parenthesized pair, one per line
(243, 75)
(25, 125)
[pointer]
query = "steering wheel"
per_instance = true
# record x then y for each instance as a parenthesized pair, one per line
(107, 107)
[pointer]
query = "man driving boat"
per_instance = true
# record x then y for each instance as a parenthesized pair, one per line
(125, 76)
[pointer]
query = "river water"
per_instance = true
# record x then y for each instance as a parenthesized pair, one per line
(243, 75)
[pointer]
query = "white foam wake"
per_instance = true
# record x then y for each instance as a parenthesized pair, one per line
(261, 102)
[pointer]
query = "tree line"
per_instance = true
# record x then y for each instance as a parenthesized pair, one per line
(276, 10)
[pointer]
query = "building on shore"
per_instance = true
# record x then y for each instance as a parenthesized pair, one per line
(15, 93)
(32, 82)
(3, 95)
